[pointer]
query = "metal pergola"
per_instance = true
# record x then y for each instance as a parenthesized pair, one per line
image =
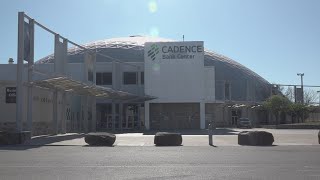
(80, 88)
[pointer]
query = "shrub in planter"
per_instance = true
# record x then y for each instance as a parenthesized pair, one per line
(243, 138)
(255, 138)
(167, 139)
(100, 139)
(12, 138)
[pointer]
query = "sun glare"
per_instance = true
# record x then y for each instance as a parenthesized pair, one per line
(153, 6)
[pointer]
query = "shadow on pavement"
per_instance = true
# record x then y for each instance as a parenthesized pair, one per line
(273, 145)
(213, 146)
(96, 146)
(219, 131)
(45, 140)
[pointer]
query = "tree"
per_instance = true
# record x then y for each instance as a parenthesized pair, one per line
(310, 96)
(299, 111)
(277, 104)
(289, 93)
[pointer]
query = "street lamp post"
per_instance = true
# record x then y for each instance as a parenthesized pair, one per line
(301, 77)
(319, 97)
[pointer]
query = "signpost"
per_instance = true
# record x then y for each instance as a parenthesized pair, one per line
(211, 128)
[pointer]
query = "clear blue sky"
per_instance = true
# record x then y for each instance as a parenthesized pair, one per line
(275, 38)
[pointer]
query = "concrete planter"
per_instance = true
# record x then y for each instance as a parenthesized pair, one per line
(255, 138)
(243, 138)
(100, 139)
(167, 139)
(12, 138)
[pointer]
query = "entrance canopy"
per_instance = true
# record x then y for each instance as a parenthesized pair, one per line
(80, 88)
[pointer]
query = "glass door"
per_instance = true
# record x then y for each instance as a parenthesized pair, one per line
(130, 120)
(104, 117)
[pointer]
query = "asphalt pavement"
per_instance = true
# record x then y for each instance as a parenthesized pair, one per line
(295, 155)
(150, 162)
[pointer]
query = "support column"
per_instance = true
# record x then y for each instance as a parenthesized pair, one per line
(120, 115)
(147, 115)
(55, 112)
(84, 109)
(114, 86)
(114, 75)
(86, 114)
(202, 115)
(139, 120)
(113, 116)
(19, 105)
(63, 117)
(30, 71)
(94, 114)
(139, 82)
(59, 111)
(29, 112)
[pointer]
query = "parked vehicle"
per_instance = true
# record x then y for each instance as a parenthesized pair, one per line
(244, 122)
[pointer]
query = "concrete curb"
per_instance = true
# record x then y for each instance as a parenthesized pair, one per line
(291, 126)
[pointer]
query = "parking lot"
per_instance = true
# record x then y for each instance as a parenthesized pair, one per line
(134, 156)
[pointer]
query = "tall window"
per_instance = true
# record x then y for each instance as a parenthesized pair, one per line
(142, 77)
(130, 78)
(227, 91)
(104, 78)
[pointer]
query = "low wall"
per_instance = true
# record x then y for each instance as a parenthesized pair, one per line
(38, 128)
(291, 126)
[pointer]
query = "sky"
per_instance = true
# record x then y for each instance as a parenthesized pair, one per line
(275, 38)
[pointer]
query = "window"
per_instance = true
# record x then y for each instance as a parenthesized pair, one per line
(90, 76)
(142, 77)
(227, 91)
(104, 78)
(129, 78)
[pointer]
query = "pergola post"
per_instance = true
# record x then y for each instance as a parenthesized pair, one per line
(30, 72)
(19, 105)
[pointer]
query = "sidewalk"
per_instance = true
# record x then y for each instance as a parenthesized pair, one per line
(222, 137)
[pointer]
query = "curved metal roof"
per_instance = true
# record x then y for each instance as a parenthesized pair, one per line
(131, 49)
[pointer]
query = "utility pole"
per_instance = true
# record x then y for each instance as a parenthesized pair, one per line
(319, 97)
(301, 77)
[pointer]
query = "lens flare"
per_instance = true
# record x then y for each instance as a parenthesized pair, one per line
(154, 32)
(155, 67)
(153, 7)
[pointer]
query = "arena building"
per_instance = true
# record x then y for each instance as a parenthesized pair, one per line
(156, 83)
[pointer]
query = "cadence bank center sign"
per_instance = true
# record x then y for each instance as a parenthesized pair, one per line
(174, 70)
(183, 50)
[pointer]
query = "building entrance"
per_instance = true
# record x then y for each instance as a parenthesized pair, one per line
(132, 117)
(175, 115)
(104, 117)
(235, 114)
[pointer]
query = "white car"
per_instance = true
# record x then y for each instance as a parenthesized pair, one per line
(244, 122)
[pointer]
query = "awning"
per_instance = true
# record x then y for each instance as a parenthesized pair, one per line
(80, 88)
